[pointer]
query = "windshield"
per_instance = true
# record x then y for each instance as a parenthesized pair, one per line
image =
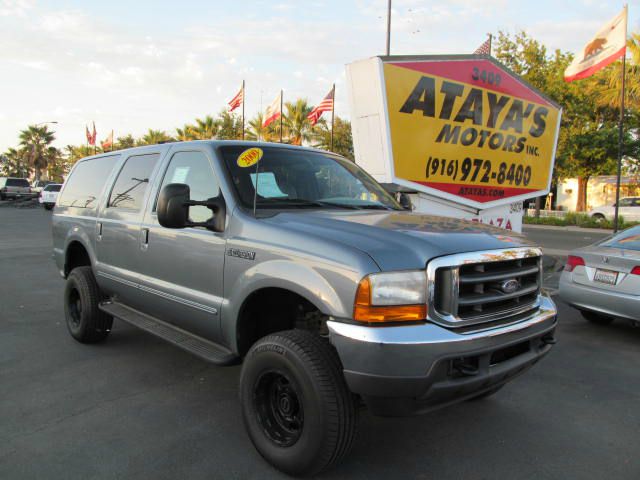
(301, 178)
(628, 240)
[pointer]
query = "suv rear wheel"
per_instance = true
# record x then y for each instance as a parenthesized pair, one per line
(85, 321)
(296, 406)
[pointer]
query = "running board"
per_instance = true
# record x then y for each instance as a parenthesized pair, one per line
(198, 346)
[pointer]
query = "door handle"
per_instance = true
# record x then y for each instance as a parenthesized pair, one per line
(99, 231)
(144, 238)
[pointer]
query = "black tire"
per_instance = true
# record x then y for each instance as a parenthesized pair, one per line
(486, 394)
(314, 421)
(2, 197)
(48, 206)
(596, 318)
(85, 321)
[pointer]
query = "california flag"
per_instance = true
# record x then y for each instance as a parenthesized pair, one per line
(605, 47)
(273, 111)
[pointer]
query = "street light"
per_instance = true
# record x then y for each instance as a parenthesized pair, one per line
(389, 28)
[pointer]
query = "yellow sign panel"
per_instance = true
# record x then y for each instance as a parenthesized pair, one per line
(469, 128)
(250, 157)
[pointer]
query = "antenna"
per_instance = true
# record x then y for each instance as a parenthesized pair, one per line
(255, 189)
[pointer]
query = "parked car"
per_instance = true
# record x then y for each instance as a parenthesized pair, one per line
(38, 185)
(11, 187)
(629, 209)
(297, 263)
(603, 280)
(49, 195)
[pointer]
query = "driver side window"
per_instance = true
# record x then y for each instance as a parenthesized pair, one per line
(193, 169)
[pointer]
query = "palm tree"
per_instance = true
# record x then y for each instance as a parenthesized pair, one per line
(125, 142)
(14, 163)
(229, 126)
(185, 134)
(297, 127)
(205, 128)
(256, 131)
(611, 78)
(35, 140)
(153, 137)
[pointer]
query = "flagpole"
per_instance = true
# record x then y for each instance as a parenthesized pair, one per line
(621, 130)
(333, 107)
(243, 93)
(620, 142)
(281, 113)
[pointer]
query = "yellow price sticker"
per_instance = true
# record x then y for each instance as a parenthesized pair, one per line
(250, 157)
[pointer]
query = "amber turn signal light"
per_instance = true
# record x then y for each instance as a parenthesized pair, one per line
(363, 311)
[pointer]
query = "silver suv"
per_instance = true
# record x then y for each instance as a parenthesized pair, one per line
(295, 262)
(11, 187)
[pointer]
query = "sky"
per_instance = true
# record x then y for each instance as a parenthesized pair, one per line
(137, 64)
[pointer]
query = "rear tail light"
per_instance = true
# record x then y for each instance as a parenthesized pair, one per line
(635, 270)
(573, 261)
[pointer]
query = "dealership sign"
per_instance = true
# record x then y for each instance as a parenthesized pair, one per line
(467, 129)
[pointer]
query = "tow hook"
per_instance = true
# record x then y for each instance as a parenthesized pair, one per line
(548, 339)
(465, 368)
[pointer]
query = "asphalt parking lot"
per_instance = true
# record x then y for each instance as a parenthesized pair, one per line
(135, 407)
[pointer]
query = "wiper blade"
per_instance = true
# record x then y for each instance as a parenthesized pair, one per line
(303, 202)
(375, 207)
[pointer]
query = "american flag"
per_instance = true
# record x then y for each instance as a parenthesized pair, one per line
(485, 48)
(326, 105)
(237, 100)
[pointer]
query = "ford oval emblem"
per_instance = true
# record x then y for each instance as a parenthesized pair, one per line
(510, 286)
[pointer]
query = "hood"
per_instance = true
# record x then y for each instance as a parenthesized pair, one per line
(399, 240)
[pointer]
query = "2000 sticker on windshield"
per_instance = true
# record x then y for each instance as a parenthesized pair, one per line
(250, 157)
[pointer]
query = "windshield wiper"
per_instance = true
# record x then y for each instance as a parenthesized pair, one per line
(303, 202)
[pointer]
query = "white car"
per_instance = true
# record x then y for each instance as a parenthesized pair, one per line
(629, 209)
(49, 195)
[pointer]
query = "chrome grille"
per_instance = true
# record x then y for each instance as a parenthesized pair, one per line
(488, 286)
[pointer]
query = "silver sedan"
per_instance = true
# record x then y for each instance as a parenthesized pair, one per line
(603, 280)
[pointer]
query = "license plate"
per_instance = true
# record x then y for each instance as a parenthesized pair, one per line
(606, 276)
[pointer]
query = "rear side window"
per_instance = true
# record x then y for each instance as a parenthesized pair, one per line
(85, 184)
(17, 182)
(133, 181)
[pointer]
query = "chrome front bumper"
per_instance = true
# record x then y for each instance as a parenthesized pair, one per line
(409, 369)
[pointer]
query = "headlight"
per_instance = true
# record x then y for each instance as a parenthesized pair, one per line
(391, 297)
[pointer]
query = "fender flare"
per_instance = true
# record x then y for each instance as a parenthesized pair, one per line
(296, 277)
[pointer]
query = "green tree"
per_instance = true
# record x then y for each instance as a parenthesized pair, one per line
(255, 130)
(229, 126)
(126, 141)
(204, 129)
(342, 138)
(14, 164)
(35, 140)
(185, 133)
(153, 137)
(296, 125)
(587, 143)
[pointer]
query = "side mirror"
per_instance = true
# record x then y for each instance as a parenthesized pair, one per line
(173, 208)
(404, 200)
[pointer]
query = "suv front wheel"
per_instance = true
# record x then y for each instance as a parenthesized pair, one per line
(296, 406)
(85, 321)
